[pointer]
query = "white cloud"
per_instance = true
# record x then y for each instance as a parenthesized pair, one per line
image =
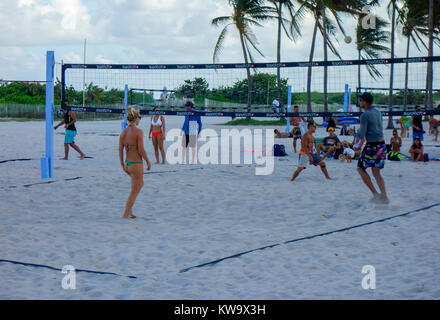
(138, 31)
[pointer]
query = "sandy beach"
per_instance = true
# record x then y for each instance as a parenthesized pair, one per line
(190, 215)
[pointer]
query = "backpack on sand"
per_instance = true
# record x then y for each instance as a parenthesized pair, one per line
(279, 150)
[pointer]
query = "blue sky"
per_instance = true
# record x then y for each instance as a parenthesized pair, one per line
(137, 31)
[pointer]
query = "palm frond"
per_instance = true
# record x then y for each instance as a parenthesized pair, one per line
(221, 20)
(219, 44)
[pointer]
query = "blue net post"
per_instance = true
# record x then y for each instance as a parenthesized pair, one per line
(124, 123)
(349, 100)
(47, 161)
(289, 107)
(346, 101)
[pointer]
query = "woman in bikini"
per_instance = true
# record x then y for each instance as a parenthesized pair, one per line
(131, 139)
(157, 129)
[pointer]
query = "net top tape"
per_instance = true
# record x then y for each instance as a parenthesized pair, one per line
(251, 65)
(251, 114)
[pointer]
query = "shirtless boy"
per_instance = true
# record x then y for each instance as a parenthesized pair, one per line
(306, 154)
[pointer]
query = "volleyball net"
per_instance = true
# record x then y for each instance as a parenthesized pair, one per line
(222, 89)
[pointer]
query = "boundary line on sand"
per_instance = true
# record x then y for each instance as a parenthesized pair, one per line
(308, 238)
(45, 182)
(12, 160)
(57, 269)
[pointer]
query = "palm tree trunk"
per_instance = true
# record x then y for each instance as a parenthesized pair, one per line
(405, 97)
(280, 95)
(390, 97)
(248, 71)
(309, 71)
(429, 74)
(359, 70)
(324, 27)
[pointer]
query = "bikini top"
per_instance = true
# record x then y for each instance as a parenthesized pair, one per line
(156, 123)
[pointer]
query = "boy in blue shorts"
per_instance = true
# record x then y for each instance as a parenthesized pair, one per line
(69, 138)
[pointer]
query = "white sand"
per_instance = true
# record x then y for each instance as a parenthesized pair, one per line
(190, 217)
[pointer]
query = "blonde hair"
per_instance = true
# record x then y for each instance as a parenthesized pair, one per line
(132, 114)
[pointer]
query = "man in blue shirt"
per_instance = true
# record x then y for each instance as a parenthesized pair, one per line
(191, 129)
(375, 151)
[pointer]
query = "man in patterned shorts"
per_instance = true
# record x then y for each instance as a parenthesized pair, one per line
(375, 151)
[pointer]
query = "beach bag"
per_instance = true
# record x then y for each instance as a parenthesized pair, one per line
(425, 157)
(394, 156)
(279, 150)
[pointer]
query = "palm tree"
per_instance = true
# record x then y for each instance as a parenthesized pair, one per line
(429, 75)
(413, 20)
(321, 11)
(291, 33)
(369, 44)
(246, 13)
(392, 10)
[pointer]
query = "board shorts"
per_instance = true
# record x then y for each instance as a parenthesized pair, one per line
(418, 134)
(69, 137)
(297, 133)
(303, 160)
(189, 140)
(373, 155)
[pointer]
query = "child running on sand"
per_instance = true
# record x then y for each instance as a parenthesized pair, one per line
(131, 139)
(69, 138)
(306, 154)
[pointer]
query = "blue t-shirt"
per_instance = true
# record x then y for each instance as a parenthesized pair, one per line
(371, 125)
(190, 124)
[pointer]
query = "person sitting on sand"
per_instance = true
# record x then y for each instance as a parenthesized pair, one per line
(69, 138)
(417, 150)
(348, 152)
(131, 140)
(330, 144)
(395, 142)
(357, 145)
(157, 129)
(279, 134)
(306, 154)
